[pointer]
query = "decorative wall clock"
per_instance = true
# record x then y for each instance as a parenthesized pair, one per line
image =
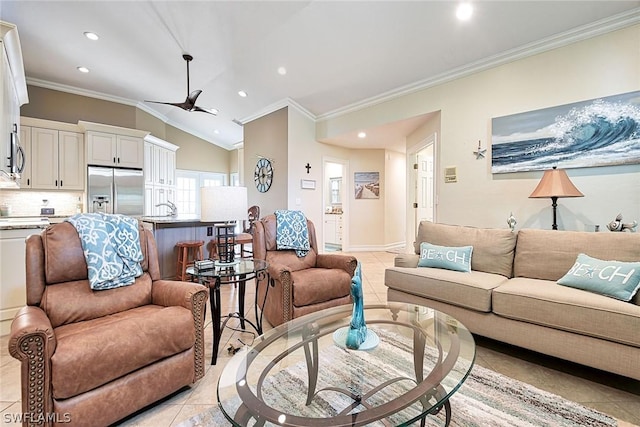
(263, 175)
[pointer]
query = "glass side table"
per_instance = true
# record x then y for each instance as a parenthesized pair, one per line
(246, 269)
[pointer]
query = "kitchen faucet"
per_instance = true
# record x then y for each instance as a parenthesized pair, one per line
(170, 205)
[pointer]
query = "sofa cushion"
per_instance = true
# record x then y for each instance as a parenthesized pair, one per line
(546, 303)
(315, 285)
(90, 353)
(549, 254)
(493, 249)
(620, 280)
(456, 258)
(469, 290)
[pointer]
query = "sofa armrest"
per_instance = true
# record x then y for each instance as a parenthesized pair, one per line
(33, 342)
(406, 260)
(171, 292)
(347, 263)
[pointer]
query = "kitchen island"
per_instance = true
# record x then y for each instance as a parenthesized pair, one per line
(169, 230)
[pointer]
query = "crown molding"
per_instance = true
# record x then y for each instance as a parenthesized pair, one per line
(78, 91)
(286, 102)
(613, 23)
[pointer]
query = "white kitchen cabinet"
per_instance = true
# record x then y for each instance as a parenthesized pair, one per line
(25, 142)
(160, 173)
(56, 160)
(333, 229)
(110, 149)
(12, 274)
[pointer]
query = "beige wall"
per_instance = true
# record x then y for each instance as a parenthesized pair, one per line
(69, 108)
(196, 154)
(267, 137)
(605, 65)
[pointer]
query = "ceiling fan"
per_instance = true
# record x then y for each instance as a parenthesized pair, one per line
(189, 103)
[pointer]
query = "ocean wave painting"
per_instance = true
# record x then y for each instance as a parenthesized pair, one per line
(598, 132)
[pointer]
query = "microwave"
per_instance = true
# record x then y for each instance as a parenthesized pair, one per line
(15, 159)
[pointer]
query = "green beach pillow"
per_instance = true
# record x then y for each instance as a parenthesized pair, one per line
(450, 258)
(616, 279)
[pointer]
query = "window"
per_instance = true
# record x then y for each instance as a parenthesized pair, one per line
(188, 185)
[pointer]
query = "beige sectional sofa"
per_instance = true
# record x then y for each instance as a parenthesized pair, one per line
(511, 293)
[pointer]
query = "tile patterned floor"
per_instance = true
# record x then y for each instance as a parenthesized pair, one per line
(616, 396)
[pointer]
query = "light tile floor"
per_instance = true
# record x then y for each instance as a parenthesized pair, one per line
(614, 395)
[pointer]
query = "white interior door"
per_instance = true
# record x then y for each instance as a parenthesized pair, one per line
(425, 185)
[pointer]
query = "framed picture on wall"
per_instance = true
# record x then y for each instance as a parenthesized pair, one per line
(597, 132)
(367, 185)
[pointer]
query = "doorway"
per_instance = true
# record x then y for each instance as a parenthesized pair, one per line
(334, 197)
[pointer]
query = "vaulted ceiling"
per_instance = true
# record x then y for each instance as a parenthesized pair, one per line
(338, 55)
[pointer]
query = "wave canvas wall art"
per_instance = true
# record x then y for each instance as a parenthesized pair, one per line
(598, 132)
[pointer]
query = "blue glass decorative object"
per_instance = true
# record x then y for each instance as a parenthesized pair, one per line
(356, 336)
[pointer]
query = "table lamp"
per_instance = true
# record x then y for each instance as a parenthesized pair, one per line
(555, 184)
(225, 205)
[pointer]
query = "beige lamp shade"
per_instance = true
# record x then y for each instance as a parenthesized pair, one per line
(223, 203)
(555, 183)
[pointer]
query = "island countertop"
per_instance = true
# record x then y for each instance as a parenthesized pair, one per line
(179, 221)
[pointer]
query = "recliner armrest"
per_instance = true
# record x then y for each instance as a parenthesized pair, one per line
(347, 263)
(276, 270)
(171, 292)
(31, 322)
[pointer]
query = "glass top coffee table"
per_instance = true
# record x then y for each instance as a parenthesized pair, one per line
(301, 374)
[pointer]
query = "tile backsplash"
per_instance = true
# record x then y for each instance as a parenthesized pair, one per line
(28, 203)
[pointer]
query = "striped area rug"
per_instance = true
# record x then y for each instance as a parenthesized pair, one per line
(486, 399)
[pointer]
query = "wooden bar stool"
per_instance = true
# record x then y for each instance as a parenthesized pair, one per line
(188, 251)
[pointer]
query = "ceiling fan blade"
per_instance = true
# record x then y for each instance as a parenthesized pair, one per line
(193, 96)
(182, 105)
(202, 110)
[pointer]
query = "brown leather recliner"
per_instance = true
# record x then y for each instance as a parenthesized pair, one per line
(91, 358)
(300, 285)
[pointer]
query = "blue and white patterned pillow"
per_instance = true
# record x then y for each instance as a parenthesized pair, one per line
(616, 279)
(450, 258)
(292, 232)
(111, 245)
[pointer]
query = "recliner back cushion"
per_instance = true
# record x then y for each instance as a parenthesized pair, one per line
(549, 254)
(67, 296)
(64, 259)
(493, 249)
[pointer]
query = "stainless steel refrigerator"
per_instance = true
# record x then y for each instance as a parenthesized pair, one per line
(113, 190)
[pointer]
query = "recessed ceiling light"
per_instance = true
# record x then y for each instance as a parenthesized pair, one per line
(464, 11)
(216, 131)
(83, 69)
(282, 71)
(362, 134)
(91, 36)
(242, 93)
